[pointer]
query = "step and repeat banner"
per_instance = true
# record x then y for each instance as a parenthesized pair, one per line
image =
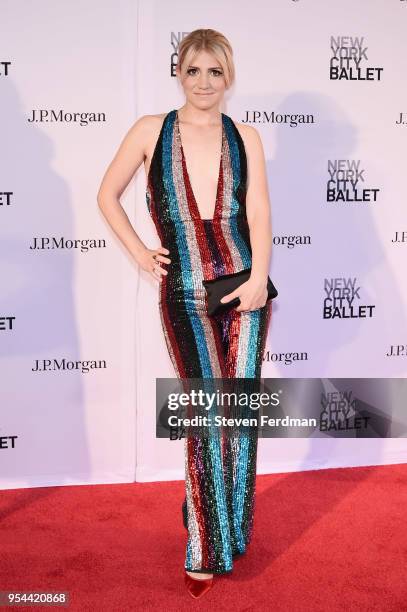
(68, 289)
(81, 342)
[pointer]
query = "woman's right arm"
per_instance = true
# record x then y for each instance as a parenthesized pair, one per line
(128, 158)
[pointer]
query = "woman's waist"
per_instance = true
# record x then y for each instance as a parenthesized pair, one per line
(212, 250)
(181, 223)
(185, 276)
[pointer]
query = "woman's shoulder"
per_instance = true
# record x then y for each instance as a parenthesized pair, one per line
(151, 121)
(146, 128)
(245, 130)
(249, 134)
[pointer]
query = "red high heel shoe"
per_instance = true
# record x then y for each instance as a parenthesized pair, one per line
(197, 587)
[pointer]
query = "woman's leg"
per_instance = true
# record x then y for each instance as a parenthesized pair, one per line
(219, 472)
(244, 335)
(208, 546)
(195, 347)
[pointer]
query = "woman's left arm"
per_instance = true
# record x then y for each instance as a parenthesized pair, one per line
(258, 207)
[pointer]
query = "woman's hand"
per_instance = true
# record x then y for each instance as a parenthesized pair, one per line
(149, 261)
(252, 294)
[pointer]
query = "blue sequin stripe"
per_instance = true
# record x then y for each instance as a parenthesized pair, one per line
(235, 163)
(215, 448)
(186, 271)
(244, 441)
(251, 350)
(239, 490)
(188, 560)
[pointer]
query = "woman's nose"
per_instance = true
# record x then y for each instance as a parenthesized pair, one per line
(203, 81)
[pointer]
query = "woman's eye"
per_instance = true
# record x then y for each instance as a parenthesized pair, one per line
(216, 72)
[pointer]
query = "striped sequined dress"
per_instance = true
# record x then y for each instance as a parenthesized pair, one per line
(219, 475)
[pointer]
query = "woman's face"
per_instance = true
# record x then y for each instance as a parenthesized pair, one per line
(204, 81)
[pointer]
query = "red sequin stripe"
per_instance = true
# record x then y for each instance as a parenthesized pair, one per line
(234, 334)
(196, 494)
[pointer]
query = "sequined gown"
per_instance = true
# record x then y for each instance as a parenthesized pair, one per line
(219, 477)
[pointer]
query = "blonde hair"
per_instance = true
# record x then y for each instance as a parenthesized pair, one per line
(212, 41)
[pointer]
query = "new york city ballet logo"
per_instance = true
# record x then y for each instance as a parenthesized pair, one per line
(342, 300)
(176, 38)
(5, 68)
(350, 61)
(5, 198)
(347, 182)
(340, 413)
(7, 322)
(7, 441)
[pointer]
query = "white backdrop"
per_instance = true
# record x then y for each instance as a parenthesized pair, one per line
(62, 424)
(71, 426)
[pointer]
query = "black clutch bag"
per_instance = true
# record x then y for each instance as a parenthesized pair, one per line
(216, 288)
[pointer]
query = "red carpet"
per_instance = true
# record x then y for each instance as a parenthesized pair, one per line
(323, 540)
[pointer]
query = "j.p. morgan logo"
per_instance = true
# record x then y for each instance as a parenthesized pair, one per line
(43, 115)
(346, 182)
(339, 412)
(400, 237)
(349, 53)
(291, 119)
(51, 242)
(341, 300)
(285, 358)
(63, 365)
(402, 120)
(397, 350)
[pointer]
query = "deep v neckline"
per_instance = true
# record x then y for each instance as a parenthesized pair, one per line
(192, 203)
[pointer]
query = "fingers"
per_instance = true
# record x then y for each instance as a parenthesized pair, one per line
(162, 258)
(157, 271)
(162, 249)
(243, 308)
(160, 252)
(229, 297)
(251, 305)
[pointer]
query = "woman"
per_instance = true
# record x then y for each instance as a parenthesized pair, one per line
(208, 197)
